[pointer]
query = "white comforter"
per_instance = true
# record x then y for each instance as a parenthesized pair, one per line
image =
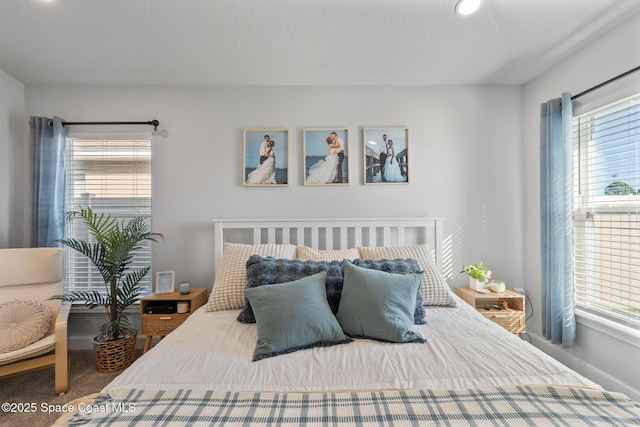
(212, 351)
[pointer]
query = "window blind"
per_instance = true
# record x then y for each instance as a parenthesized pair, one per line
(112, 177)
(607, 210)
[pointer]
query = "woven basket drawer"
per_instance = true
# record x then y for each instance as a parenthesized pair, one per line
(161, 324)
(512, 320)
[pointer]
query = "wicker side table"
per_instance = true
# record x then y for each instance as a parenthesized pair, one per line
(163, 324)
(512, 318)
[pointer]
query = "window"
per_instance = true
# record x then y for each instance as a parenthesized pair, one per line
(607, 210)
(111, 177)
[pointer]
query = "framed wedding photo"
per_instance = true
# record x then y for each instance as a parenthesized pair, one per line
(265, 157)
(165, 282)
(386, 155)
(326, 156)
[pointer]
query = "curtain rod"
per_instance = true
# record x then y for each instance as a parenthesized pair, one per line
(153, 123)
(598, 86)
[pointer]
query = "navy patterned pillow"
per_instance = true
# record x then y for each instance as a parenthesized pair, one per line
(269, 270)
(399, 265)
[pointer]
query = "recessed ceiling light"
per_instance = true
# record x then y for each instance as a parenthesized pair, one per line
(467, 7)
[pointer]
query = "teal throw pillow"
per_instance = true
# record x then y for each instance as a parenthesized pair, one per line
(293, 316)
(379, 305)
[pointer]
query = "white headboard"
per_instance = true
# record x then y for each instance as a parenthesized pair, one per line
(332, 233)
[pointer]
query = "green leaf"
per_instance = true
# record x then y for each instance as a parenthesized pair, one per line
(111, 253)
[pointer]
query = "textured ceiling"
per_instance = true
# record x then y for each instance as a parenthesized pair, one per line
(294, 42)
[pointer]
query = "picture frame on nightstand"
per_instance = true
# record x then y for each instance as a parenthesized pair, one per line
(165, 282)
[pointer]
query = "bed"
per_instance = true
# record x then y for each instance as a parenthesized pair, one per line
(464, 369)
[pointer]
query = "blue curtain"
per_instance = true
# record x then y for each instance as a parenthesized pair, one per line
(48, 151)
(556, 190)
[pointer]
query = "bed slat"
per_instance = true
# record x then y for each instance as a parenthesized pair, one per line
(357, 235)
(328, 238)
(386, 236)
(300, 236)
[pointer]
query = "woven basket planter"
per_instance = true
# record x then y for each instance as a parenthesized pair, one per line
(112, 356)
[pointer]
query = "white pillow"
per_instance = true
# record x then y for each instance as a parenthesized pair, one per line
(22, 322)
(434, 288)
(306, 253)
(231, 277)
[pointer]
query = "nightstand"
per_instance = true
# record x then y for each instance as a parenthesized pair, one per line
(512, 318)
(160, 313)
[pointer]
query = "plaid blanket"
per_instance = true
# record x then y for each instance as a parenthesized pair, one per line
(500, 406)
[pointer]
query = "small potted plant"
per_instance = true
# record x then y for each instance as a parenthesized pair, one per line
(111, 251)
(479, 275)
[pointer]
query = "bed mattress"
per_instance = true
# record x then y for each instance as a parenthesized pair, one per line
(463, 350)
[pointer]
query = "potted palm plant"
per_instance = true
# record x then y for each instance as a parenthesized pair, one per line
(111, 251)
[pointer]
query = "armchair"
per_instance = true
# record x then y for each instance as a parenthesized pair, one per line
(37, 274)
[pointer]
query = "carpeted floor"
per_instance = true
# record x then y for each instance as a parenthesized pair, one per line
(37, 388)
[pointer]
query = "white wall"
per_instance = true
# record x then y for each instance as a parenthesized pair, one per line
(465, 160)
(12, 124)
(608, 360)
